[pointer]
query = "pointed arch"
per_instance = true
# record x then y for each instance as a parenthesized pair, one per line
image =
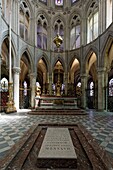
(45, 57)
(73, 13)
(13, 49)
(5, 35)
(73, 56)
(57, 58)
(105, 50)
(59, 17)
(26, 50)
(42, 12)
(88, 54)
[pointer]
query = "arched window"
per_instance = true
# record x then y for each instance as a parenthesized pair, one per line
(108, 13)
(111, 87)
(59, 2)
(75, 32)
(73, 1)
(91, 86)
(25, 88)
(92, 22)
(24, 21)
(59, 29)
(4, 85)
(42, 32)
(78, 89)
(79, 84)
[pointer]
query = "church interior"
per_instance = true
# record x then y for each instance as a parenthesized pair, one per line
(56, 66)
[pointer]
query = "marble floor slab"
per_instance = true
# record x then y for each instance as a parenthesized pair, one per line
(14, 125)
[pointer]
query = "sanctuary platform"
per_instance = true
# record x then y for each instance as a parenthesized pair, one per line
(39, 149)
(56, 105)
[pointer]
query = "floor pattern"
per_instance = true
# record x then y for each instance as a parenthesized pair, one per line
(14, 125)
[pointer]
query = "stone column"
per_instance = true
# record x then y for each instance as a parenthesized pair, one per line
(66, 82)
(18, 18)
(0, 27)
(106, 90)
(101, 90)
(50, 84)
(83, 86)
(33, 86)
(83, 37)
(16, 71)
(43, 91)
(47, 84)
(102, 16)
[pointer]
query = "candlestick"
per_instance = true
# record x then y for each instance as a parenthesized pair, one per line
(10, 104)
(10, 69)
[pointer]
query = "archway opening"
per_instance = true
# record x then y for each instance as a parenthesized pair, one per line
(25, 90)
(91, 91)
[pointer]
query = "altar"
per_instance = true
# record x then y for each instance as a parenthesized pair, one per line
(55, 102)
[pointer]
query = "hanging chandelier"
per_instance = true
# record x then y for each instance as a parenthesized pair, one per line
(58, 40)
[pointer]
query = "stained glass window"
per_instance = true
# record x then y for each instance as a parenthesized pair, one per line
(74, 1)
(108, 12)
(91, 88)
(59, 2)
(42, 33)
(92, 23)
(25, 88)
(75, 37)
(111, 87)
(24, 21)
(4, 85)
(44, 1)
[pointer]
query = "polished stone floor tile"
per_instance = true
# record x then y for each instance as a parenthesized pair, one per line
(14, 125)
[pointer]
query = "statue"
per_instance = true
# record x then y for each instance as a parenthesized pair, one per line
(58, 88)
(37, 98)
(38, 91)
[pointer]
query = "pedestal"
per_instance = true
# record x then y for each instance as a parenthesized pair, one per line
(10, 104)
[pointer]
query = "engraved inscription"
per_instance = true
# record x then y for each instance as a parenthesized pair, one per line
(57, 144)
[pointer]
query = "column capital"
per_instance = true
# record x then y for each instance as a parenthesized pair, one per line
(83, 75)
(16, 70)
(101, 70)
(33, 75)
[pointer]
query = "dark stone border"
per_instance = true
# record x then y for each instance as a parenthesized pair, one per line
(90, 156)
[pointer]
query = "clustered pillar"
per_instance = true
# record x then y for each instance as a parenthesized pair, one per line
(16, 72)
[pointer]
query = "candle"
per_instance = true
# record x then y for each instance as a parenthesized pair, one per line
(10, 69)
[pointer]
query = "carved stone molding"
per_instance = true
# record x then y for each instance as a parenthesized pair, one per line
(17, 70)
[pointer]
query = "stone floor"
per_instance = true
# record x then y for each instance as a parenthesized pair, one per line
(14, 125)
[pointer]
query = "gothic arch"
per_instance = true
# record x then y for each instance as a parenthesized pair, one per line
(29, 7)
(89, 3)
(88, 54)
(45, 57)
(13, 49)
(59, 17)
(42, 12)
(73, 56)
(29, 53)
(77, 12)
(5, 35)
(59, 59)
(105, 50)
